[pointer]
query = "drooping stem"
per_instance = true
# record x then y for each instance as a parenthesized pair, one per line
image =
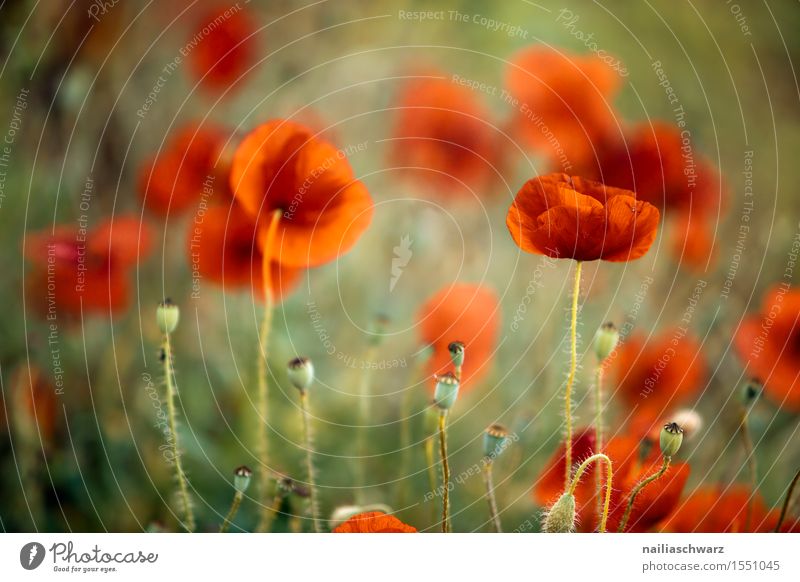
(747, 443)
(445, 471)
(490, 496)
(609, 484)
(787, 501)
(309, 444)
(237, 501)
(573, 365)
(263, 381)
(172, 413)
(638, 489)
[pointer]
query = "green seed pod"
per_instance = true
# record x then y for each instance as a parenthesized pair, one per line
(241, 478)
(446, 391)
(457, 353)
(167, 316)
(301, 373)
(561, 516)
(494, 441)
(605, 341)
(751, 391)
(671, 439)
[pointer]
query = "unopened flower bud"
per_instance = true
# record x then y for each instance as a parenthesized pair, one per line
(241, 478)
(561, 516)
(457, 353)
(301, 373)
(446, 391)
(167, 316)
(671, 439)
(494, 440)
(605, 341)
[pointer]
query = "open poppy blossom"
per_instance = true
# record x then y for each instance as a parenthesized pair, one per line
(74, 273)
(463, 312)
(222, 48)
(374, 522)
(280, 169)
(769, 343)
(443, 136)
(223, 248)
(563, 216)
(719, 509)
(189, 166)
(564, 101)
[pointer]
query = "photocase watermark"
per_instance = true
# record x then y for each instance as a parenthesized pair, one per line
(400, 260)
(100, 8)
(569, 20)
(534, 284)
(84, 204)
(31, 555)
(207, 191)
(162, 420)
(490, 24)
(748, 204)
(53, 336)
(741, 20)
(14, 126)
(687, 153)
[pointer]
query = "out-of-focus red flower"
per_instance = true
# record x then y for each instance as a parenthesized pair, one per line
(719, 509)
(569, 217)
(223, 248)
(769, 343)
(464, 312)
(693, 240)
(35, 403)
(72, 269)
(190, 166)
(222, 47)
(374, 522)
(564, 108)
(659, 376)
(444, 136)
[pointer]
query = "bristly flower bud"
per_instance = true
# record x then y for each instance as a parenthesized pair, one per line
(561, 516)
(446, 391)
(605, 341)
(457, 353)
(301, 373)
(494, 441)
(241, 478)
(751, 392)
(671, 439)
(167, 316)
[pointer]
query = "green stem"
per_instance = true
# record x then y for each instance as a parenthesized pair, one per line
(309, 442)
(787, 501)
(490, 496)
(573, 365)
(365, 406)
(237, 500)
(609, 481)
(749, 449)
(172, 413)
(445, 471)
(598, 426)
(638, 489)
(429, 453)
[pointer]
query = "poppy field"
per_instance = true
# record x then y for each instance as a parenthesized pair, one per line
(399, 267)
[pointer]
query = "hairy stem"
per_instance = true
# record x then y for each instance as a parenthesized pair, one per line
(237, 501)
(445, 472)
(598, 426)
(609, 483)
(787, 501)
(490, 496)
(573, 365)
(309, 443)
(636, 490)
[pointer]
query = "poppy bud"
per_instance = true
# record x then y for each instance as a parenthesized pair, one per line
(457, 353)
(561, 516)
(301, 373)
(605, 341)
(494, 440)
(671, 439)
(241, 478)
(167, 316)
(446, 391)
(751, 392)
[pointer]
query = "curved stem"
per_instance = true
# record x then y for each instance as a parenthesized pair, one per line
(172, 413)
(490, 497)
(573, 365)
(263, 385)
(609, 483)
(638, 489)
(237, 500)
(309, 441)
(787, 501)
(445, 472)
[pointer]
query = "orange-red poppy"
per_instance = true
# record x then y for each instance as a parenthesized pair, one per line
(565, 216)
(281, 169)
(719, 509)
(222, 47)
(464, 312)
(374, 522)
(223, 248)
(769, 343)
(563, 104)
(190, 167)
(656, 377)
(75, 271)
(444, 136)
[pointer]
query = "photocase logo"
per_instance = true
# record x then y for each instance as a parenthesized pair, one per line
(402, 255)
(31, 555)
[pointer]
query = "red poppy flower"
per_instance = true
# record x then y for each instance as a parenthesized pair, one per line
(563, 216)
(463, 312)
(444, 136)
(74, 271)
(222, 48)
(281, 169)
(718, 509)
(374, 522)
(693, 240)
(656, 377)
(190, 166)
(769, 344)
(564, 106)
(223, 248)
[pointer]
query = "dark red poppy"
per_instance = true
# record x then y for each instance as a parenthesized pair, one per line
(374, 522)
